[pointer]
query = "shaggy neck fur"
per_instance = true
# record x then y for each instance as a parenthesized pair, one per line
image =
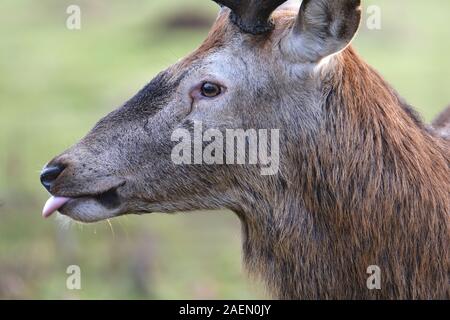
(371, 188)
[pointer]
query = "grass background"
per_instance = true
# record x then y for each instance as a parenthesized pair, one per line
(56, 83)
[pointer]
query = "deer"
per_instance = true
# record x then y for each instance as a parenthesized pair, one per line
(363, 181)
(442, 124)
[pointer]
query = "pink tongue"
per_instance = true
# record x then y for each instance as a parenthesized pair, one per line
(52, 205)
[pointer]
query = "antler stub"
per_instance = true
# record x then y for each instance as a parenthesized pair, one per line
(252, 16)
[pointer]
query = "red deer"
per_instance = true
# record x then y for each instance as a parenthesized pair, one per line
(442, 124)
(362, 180)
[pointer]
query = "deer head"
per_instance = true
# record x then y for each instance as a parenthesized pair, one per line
(256, 69)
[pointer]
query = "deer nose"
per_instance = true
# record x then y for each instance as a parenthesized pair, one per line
(49, 175)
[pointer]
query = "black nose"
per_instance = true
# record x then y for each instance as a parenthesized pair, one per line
(49, 175)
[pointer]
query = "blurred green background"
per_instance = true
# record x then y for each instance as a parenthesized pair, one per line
(56, 83)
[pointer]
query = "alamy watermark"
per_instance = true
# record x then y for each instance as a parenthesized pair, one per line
(374, 280)
(73, 281)
(73, 21)
(373, 21)
(232, 147)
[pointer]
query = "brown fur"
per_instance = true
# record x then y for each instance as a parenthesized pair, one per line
(217, 38)
(376, 190)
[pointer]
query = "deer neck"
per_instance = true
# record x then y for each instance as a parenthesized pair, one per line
(373, 192)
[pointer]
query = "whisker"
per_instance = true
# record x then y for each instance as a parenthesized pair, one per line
(111, 227)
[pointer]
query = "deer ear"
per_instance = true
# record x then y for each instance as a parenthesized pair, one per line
(323, 28)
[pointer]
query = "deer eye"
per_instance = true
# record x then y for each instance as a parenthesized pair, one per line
(210, 90)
